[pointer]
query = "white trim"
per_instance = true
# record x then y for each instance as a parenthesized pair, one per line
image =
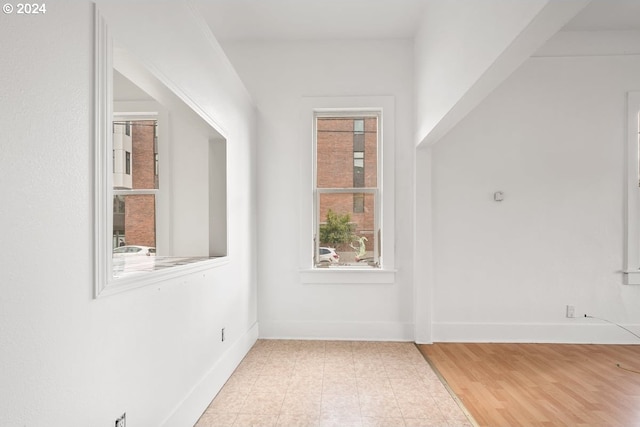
(135, 192)
(356, 331)
(309, 108)
(103, 204)
(632, 278)
(195, 403)
(423, 245)
(348, 275)
(632, 235)
(574, 331)
(145, 278)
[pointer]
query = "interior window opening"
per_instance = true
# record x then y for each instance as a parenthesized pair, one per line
(153, 225)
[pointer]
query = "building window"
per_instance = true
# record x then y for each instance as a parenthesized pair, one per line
(358, 126)
(358, 203)
(358, 164)
(127, 163)
(347, 204)
(358, 169)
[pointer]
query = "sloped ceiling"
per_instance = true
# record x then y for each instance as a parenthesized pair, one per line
(269, 20)
(607, 15)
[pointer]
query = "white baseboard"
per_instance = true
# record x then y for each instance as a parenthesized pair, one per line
(194, 404)
(574, 331)
(357, 331)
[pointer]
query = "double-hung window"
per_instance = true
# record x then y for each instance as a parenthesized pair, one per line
(347, 202)
(135, 182)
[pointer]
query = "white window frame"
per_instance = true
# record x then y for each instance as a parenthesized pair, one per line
(377, 256)
(144, 112)
(351, 106)
(632, 255)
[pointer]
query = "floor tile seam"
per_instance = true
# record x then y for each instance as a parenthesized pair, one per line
(322, 387)
(244, 397)
(395, 399)
(393, 392)
(419, 395)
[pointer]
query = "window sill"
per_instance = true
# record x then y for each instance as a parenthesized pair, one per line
(632, 277)
(350, 275)
(152, 276)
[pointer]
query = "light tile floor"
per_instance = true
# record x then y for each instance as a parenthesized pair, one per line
(333, 383)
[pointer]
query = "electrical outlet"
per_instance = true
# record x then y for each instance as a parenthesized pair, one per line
(122, 421)
(222, 334)
(571, 311)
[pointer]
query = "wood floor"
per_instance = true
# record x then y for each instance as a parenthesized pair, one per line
(542, 384)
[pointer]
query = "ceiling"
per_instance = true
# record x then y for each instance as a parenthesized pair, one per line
(125, 90)
(271, 20)
(607, 15)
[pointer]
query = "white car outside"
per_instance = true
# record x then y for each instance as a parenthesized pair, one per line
(328, 255)
(133, 250)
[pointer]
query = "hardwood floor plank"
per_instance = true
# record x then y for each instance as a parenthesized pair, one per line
(542, 384)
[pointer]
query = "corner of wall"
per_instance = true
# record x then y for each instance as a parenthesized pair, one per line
(195, 403)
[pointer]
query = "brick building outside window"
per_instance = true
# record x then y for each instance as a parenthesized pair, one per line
(134, 214)
(347, 182)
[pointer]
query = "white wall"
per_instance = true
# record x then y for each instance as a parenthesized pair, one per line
(552, 137)
(278, 75)
(69, 359)
(457, 42)
(189, 189)
(464, 49)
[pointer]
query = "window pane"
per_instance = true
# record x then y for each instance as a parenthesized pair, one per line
(351, 234)
(358, 203)
(135, 155)
(358, 177)
(358, 126)
(134, 221)
(143, 141)
(358, 142)
(336, 145)
(358, 169)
